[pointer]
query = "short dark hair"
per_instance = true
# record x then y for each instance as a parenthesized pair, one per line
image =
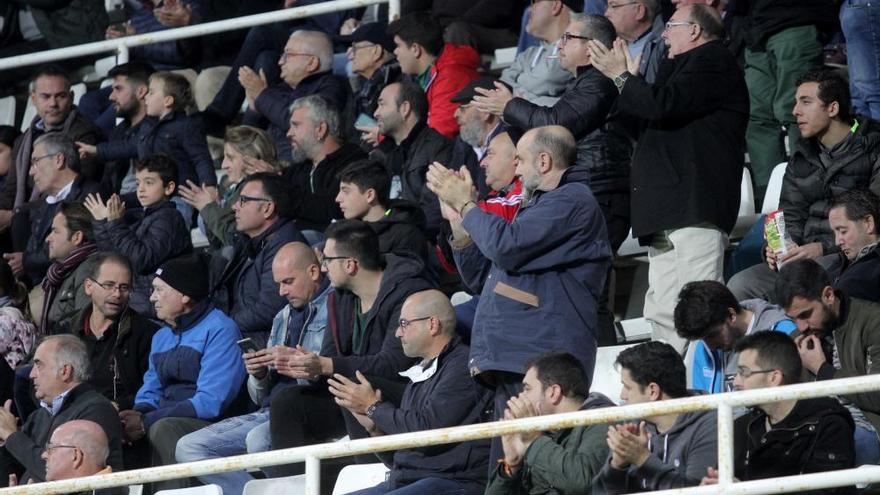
(776, 351)
(413, 94)
(832, 87)
(655, 362)
(358, 240)
(368, 174)
(8, 135)
(287, 203)
(597, 27)
(709, 20)
(51, 70)
(99, 259)
(136, 72)
(177, 87)
(159, 164)
(858, 204)
(701, 306)
(78, 219)
(563, 369)
(421, 28)
(801, 278)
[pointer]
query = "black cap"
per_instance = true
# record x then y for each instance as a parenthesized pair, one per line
(374, 32)
(574, 5)
(468, 92)
(187, 274)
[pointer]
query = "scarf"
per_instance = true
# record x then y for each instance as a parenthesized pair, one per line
(56, 275)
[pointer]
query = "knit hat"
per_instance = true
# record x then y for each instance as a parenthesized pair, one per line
(187, 274)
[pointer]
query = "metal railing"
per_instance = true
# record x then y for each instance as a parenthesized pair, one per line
(121, 45)
(724, 403)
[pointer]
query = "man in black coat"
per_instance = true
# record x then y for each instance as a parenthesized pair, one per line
(853, 218)
(687, 166)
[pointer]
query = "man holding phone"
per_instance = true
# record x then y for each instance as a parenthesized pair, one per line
(296, 329)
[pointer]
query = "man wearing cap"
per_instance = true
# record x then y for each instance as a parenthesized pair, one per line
(195, 370)
(475, 130)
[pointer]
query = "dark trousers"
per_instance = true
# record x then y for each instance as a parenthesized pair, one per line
(506, 385)
(163, 437)
(616, 210)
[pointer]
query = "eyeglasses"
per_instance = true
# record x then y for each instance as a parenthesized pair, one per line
(243, 200)
(745, 372)
(566, 37)
(111, 286)
(326, 259)
(36, 159)
(612, 6)
(672, 24)
(403, 322)
(354, 48)
(50, 447)
(287, 55)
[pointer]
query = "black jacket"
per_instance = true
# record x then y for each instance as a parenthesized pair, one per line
(816, 436)
(583, 108)
(687, 166)
(116, 170)
(379, 352)
(809, 188)
(769, 17)
(21, 454)
(448, 398)
(410, 162)
(367, 98)
(317, 188)
(402, 229)
(860, 279)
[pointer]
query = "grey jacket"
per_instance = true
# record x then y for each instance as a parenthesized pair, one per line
(679, 458)
(536, 78)
(70, 298)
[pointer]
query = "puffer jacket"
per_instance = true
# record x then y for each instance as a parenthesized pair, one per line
(583, 109)
(454, 68)
(808, 188)
(402, 229)
(69, 22)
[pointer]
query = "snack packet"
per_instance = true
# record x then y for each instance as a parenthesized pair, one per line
(777, 238)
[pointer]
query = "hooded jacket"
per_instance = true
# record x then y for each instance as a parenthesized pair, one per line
(679, 458)
(562, 462)
(454, 68)
(816, 436)
(402, 229)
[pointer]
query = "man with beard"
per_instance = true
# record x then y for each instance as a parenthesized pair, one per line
(475, 130)
(838, 339)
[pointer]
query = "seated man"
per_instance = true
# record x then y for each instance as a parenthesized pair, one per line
(838, 339)
(709, 315)
(300, 325)
(476, 129)
(61, 365)
(785, 438)
(195, 371)
(853, 218)
(320, 152)
(440, 394)
(77, 449)
(837, 152)
(563, 461)
(661, 452)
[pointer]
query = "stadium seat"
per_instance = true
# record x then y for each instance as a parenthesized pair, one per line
(197, 490)
(503, 58)
(135, 489)
(7, 111)
(271, 486)
(636, 329)
(30, 111)
(359, 476)
(199, 239)
(746, 215)
(774, 189)
(606, 378)
(78, 91)
(631, 247)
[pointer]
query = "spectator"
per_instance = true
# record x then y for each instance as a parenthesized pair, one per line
(300, 325)
(476, 129)
(851, 218)
(363, 195)
(499, 169)
(782, 42)
(837, 340)
(562, 461)
(682, 207)
(440, 394)
(71, 243)
(242, 279)
(195, 371)
(535, 74)
(61, 368)
(411, 146)
(305, 70)
(59, 25)
(246, 150)
(440, 70)
(157, 234)
(640, 24)
(485, 24)
(319, 154)
(660, 452)
(17, 332)
(8, 136)
(55, 169)
(837, 152)
(857, 20)
(53, 100)
(812, 435)
(363, 314)
(709, 315)
(151, 18)
(539, 256)
(87, 454)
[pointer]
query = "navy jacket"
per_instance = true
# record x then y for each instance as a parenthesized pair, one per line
(539, 277)
(448, 398)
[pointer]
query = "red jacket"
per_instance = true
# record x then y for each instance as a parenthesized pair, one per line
(504, 205)
(454, 68)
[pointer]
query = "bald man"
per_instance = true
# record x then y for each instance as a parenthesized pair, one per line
(440, 394)
(77, 448)
(297, 328)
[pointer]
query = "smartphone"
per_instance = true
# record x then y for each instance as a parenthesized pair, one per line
(247, 345)
(365, 120)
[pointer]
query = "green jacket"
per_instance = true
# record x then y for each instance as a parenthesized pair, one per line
(559, 462)
(70, 298)
(220, 219)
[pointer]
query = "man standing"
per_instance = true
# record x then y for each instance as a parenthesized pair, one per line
(687, 166)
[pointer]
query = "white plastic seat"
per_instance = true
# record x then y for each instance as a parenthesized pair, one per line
(272, 486)
(78, 91)
(636, 329)
(746, 215)
(30, 111)
(631, 247)
(7, 111)
(196, 490)
(606, 378)
(359, 476)
(774, 189)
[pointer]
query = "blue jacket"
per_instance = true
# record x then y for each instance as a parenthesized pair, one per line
(196, 370)
(539, 276)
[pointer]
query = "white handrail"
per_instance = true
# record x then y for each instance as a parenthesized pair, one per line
(121, 45)
(312, 454)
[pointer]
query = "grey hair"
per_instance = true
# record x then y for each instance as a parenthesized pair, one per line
(652, 8)
(320, 110)
(597, 27)
(70, 349)
(58, 143)
(318, 44)
(709, 20)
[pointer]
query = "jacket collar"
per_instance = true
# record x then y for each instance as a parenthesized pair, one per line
(191, 319)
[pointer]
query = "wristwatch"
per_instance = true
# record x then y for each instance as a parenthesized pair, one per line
(620, 80)
(372, 409)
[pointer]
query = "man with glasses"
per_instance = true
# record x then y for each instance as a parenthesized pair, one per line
(440, 394)
(640, 24)
(77, 449)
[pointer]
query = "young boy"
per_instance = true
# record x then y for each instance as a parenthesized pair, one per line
(158, 235)
(364, 186)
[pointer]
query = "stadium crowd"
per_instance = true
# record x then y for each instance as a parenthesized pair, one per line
(371, 170)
